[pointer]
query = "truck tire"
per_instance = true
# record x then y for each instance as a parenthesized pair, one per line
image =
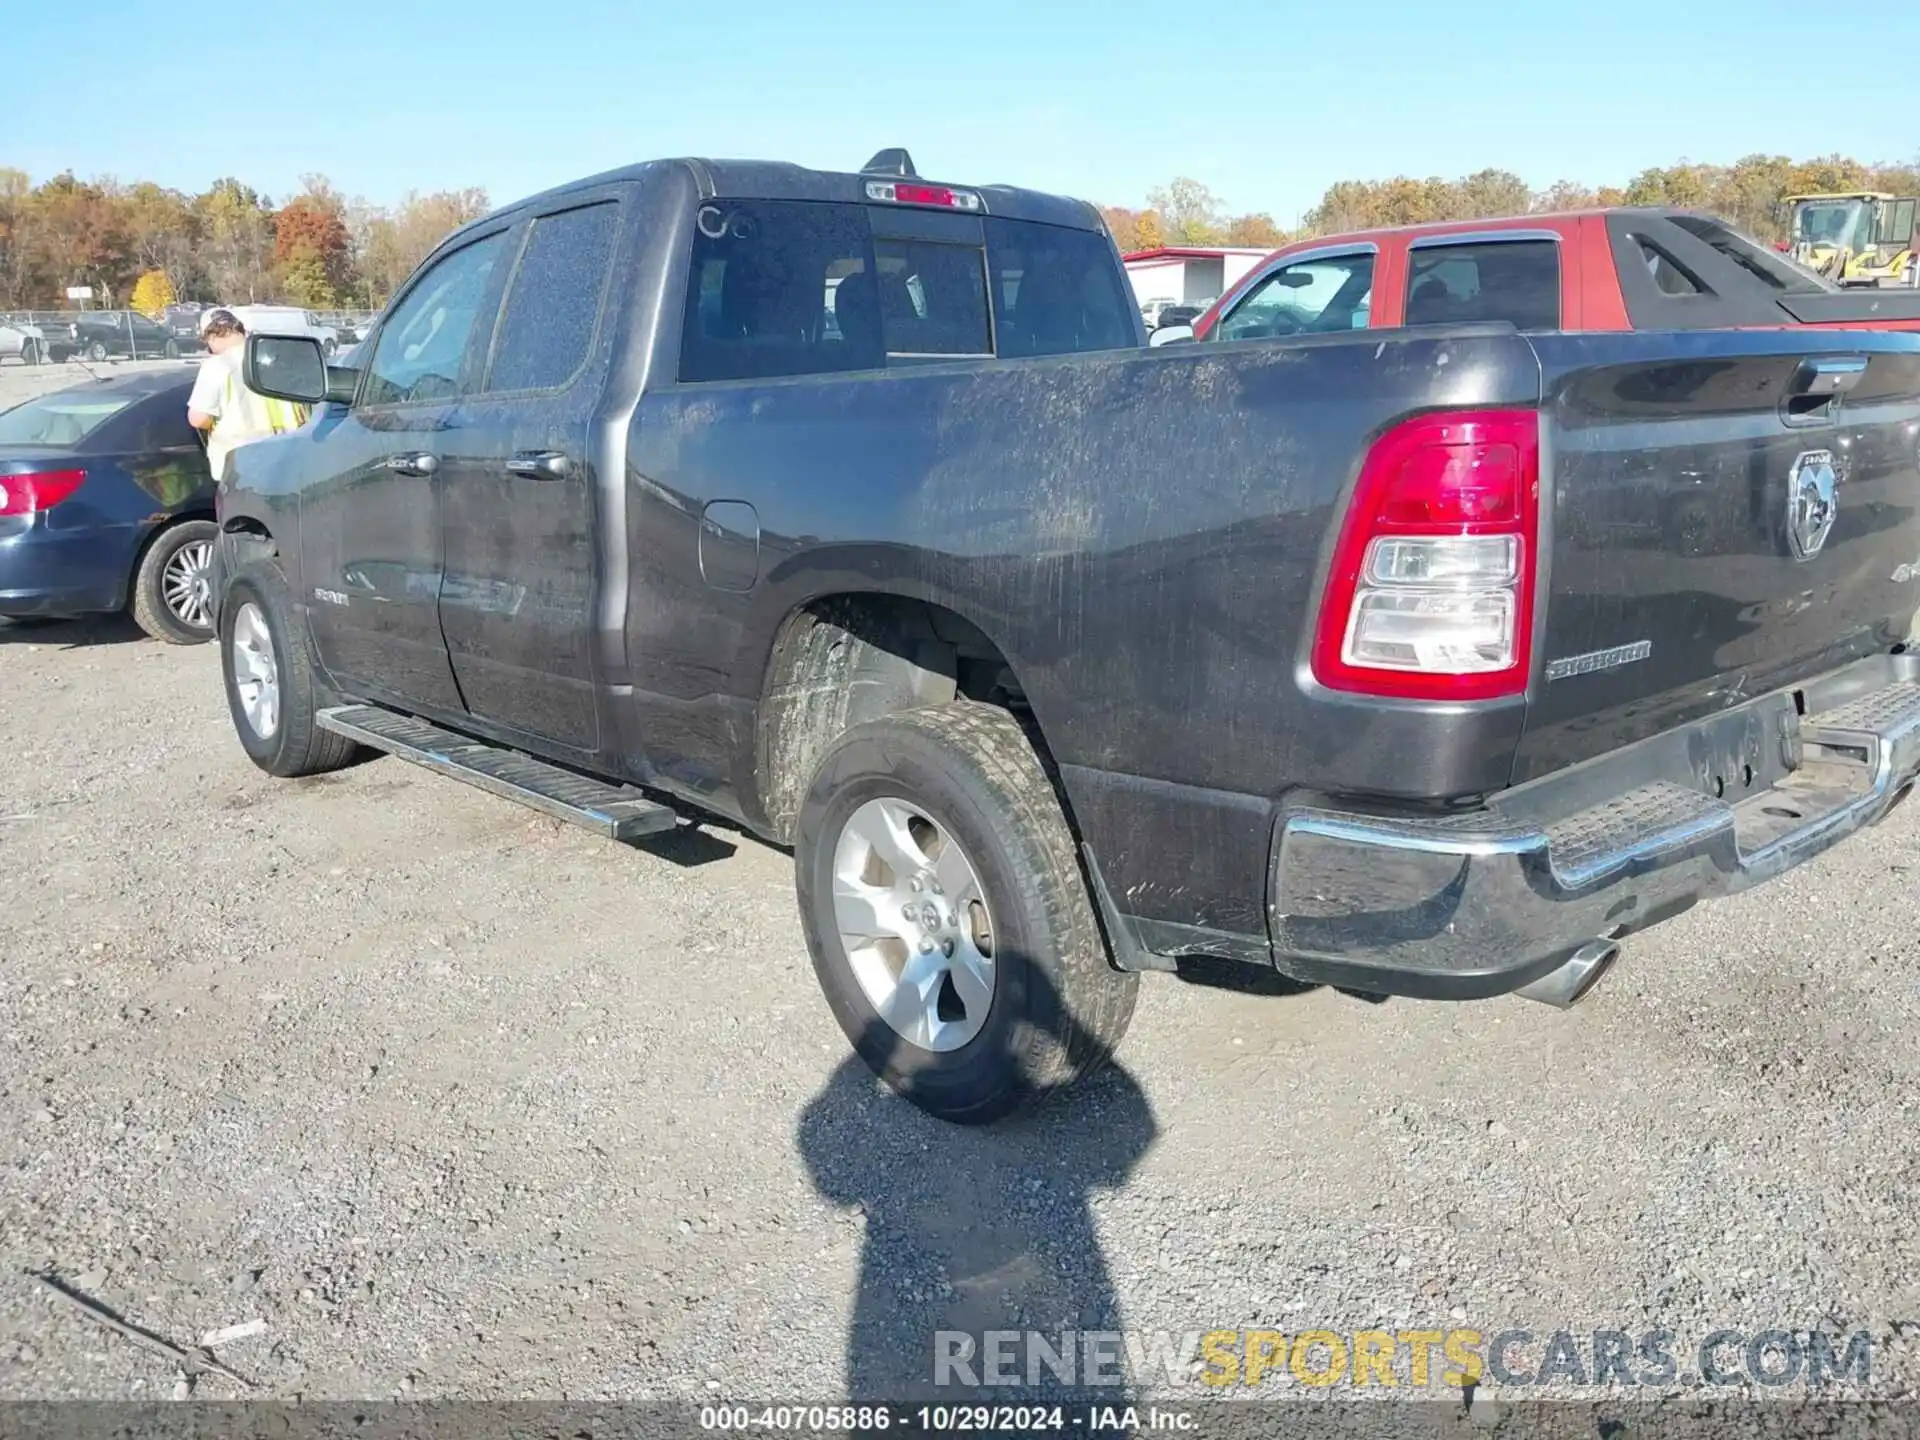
(96, 352)
(929, 842)
(272, 690)
(171, 599)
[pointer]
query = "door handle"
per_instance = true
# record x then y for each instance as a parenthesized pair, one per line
(414, 462)
(540, 465)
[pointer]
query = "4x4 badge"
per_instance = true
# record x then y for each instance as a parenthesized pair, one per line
(1812, 502)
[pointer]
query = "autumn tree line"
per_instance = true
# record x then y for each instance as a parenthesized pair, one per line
(143, 245)
(1747, 193)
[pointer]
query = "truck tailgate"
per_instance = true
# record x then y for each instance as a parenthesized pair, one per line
(1720, 527)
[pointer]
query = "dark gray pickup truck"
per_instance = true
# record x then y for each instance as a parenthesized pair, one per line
(853, 508)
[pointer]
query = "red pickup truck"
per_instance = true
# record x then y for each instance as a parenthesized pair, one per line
(1617, 269)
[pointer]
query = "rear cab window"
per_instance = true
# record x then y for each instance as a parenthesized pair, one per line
(1462, 281)
(1769, 267)
(802, 287)
(1670, 277)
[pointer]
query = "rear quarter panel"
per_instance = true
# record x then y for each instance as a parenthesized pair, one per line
(1141, 533)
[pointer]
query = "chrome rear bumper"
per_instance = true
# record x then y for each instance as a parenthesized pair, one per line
(1483, 903)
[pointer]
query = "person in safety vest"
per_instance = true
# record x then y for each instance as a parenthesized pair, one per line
(222, 405)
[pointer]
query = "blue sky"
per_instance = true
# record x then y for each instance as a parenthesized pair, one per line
(1267, 104)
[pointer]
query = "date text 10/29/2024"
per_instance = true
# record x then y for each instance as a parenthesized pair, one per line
(959, 1419)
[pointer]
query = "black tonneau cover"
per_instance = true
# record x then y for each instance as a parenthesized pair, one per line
(1861, 306)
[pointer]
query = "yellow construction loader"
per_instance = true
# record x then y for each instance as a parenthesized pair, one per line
(1861, 237)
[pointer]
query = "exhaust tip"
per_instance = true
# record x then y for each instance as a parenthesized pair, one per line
(1574, 981)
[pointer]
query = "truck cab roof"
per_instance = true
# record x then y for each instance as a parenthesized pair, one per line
(779, 180)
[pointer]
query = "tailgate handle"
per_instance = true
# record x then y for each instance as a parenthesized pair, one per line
(1814, 395)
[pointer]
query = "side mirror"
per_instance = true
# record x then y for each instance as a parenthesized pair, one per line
(286, 367)
(1170, 335)
(342, 381)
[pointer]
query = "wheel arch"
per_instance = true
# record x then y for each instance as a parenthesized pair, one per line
(840, 659)
(245, 540)
(151, 537)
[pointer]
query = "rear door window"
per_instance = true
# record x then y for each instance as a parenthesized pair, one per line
(1461, 283)
(1317, 295)
(553, 304)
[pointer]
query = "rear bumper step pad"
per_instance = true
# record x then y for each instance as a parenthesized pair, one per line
(613, 810)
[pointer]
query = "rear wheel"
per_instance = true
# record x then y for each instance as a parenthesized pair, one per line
(172, 594)
(947, 916)
(30, 352)
(171, 350)
(272, 690)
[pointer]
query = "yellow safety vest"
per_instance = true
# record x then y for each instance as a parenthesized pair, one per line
(282, 415)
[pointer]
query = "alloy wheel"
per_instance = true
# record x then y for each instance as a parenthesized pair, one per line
(915, 924)
(256, 673)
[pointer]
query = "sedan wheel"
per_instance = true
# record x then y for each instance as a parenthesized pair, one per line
(173, 586)
(187, 584)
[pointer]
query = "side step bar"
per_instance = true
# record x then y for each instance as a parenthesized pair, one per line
(617, 811)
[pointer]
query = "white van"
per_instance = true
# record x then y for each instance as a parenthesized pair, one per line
(286, 320)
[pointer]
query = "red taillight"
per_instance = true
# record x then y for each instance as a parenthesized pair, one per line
(1431, 591)
(42, 490)
(902, 193)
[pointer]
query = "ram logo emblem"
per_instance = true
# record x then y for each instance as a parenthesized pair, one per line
(1813, 501)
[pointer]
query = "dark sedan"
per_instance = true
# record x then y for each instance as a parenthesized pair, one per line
(106, 504)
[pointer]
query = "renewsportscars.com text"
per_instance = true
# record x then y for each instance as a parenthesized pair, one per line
(1413, 1360)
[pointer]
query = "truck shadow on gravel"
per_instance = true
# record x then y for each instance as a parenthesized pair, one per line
(971, 1230)
(1219, 972)
(689, 845)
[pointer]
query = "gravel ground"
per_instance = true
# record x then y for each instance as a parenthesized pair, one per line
(458, 1100)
